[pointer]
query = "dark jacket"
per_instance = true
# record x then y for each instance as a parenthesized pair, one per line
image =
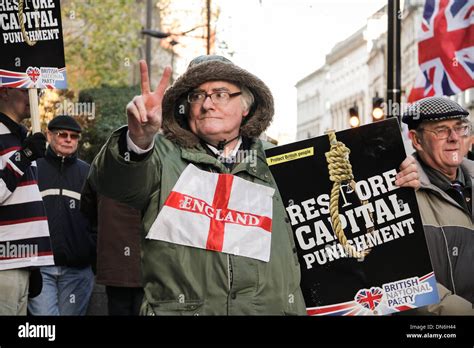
(449, 231)
(60, 180)
(118, 238)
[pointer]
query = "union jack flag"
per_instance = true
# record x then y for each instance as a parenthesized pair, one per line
(445, 49)
(369, 299)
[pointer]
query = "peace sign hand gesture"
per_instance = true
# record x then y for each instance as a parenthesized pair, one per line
(144, 112)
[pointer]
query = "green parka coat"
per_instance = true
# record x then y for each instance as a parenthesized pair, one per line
(182, 280)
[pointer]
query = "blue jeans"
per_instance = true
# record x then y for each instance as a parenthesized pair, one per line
(66, 291)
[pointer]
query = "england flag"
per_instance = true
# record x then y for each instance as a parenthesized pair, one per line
(219, 212)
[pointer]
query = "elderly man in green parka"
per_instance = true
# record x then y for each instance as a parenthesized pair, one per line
(212, 111)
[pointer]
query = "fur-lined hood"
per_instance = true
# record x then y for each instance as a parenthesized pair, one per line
(175, 124)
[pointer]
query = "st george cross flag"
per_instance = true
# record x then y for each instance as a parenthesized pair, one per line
(445, 49)
(219, 212)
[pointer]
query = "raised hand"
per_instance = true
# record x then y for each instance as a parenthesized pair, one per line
(144, 111)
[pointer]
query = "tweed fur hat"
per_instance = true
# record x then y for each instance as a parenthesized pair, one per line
(432, 109)
(214, 68)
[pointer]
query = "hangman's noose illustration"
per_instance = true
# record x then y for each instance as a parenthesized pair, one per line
(22, 24)
(340, 172)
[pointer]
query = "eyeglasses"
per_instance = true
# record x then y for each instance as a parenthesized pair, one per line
(221, 97)
(65, 135)
(462, 130)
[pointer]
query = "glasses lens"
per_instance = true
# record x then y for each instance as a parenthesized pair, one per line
(443, 133)
(195, 97)
(463, 130)
(220, 97)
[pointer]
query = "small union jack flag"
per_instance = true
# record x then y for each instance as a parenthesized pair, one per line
(445, 49)
(369, 299)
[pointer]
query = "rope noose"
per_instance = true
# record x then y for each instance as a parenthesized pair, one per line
(22, 24)
(340, 171)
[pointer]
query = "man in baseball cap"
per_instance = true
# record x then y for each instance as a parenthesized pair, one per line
(439, 129)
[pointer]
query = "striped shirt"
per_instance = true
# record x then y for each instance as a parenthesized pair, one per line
(24, 233)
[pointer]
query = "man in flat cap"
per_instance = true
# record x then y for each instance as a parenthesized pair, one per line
(67, 286)
(439, 129)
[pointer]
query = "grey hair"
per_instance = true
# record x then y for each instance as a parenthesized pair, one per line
(247, 98)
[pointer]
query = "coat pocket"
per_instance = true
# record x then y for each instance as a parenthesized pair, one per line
(191, 307)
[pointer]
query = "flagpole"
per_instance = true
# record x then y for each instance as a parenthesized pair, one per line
(394, 60)
(34, 110)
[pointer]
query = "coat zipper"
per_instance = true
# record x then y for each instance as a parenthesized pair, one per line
(60, 175)
(229, 272)
(229, 261)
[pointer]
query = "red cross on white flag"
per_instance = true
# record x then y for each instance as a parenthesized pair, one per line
(219, 212)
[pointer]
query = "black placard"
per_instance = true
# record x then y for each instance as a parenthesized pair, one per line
(41, 65)
(397, 274)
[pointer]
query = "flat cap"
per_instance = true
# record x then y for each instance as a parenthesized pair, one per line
(64, 122)
(432, 109)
